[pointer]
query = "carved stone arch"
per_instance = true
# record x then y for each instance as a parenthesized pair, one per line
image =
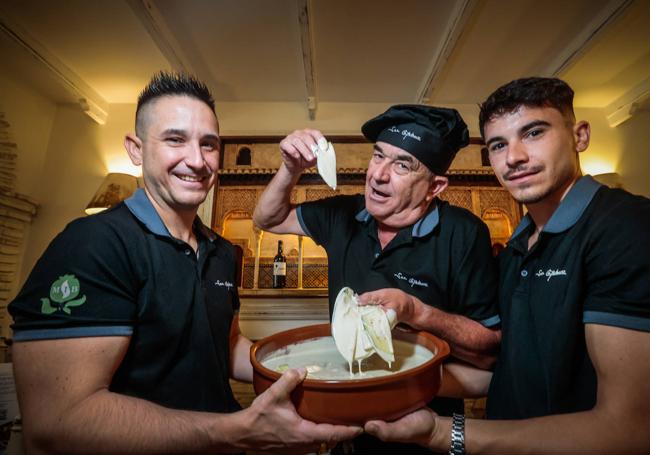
(499, 223)
(233, 200)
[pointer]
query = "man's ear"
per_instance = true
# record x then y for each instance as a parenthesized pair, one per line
(438, 184)
(133, 146)
(581, 135)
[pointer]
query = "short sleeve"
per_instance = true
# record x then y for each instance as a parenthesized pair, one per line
(618, 270)
(83, 285)
(322, 217)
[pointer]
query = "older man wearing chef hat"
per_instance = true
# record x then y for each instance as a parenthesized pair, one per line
(398, 245)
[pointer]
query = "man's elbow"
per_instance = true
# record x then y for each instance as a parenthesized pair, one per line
(39, 440)
(259, 219)
(489, 357)
(485, 362)
(493, 342)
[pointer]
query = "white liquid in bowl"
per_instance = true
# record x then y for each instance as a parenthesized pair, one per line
(323, 360)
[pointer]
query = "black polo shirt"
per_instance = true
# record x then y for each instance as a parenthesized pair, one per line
(444, 259)
(590, 265)
(121, 273)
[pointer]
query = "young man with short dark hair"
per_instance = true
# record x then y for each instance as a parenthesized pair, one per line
(572, 373)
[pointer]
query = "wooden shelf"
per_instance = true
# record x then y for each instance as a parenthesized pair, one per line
(291, 293)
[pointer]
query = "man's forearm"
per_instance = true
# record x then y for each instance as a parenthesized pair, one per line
(274, 204)
(468, 340)
(241, 367)
(590, 432)
(110, 423)
(460, 380)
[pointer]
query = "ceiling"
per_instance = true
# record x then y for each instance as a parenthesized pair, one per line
(312, 53)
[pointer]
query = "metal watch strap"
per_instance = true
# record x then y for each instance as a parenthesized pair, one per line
(457, 446)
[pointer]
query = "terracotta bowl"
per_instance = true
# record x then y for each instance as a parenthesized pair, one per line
(353, 402)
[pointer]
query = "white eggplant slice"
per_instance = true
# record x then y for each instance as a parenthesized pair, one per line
(377, 327)
(360, 331)
(326, 162)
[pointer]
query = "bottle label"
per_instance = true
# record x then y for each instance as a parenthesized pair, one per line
(280, 268)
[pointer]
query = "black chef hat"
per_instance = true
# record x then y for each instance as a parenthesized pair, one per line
(431, 134)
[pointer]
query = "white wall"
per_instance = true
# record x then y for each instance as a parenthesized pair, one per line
(31, 118)
(605, 149)
(71, 172)
(623, 149)
(634, 166)
(79, 154)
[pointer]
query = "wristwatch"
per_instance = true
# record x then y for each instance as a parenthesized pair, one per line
(457, 446)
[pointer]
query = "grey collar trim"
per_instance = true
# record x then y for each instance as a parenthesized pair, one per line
(141, 207)
(422, 227)
(570, 209)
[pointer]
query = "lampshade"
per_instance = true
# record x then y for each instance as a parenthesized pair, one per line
(114, 188)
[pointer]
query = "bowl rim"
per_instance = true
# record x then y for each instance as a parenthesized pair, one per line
(310, 383)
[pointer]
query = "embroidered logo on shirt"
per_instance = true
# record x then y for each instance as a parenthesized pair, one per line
(550, 273)
(411, 281)
(63, 293)
(226, 284)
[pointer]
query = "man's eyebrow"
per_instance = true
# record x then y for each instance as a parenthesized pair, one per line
(404, 157)
(212, 137)
(494, 139)
(522, 130)
(533, 124)
(174, 132)
(399, 156)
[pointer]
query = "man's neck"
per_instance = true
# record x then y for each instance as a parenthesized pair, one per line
(178, 223)
(540, 212)
(386, 231)
(386, 234)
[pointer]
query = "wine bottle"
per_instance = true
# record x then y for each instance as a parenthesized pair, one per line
(279, 268)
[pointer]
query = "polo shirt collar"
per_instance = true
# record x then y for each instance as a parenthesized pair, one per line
(570, 209)
(422, 227)
(142, 208)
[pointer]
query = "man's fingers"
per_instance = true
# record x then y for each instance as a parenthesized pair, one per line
(416, 427)
(287, 382)
(389, 431)
(301, 144)
(378, 429)
(371, 298)
(332, 434)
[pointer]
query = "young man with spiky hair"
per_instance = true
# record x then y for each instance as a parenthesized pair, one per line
(572, 374)
(126, 331)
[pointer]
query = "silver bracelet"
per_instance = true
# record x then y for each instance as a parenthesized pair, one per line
(457, 446)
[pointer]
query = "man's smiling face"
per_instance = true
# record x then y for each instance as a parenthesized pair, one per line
(533, 152)
(180, 151)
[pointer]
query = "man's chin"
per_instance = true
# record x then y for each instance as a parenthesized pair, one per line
(529, 197)
(190, 202)
(376, 210)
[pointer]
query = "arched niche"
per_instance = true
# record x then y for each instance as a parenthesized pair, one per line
(499, 224)
(306, 261)
(238, 228)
